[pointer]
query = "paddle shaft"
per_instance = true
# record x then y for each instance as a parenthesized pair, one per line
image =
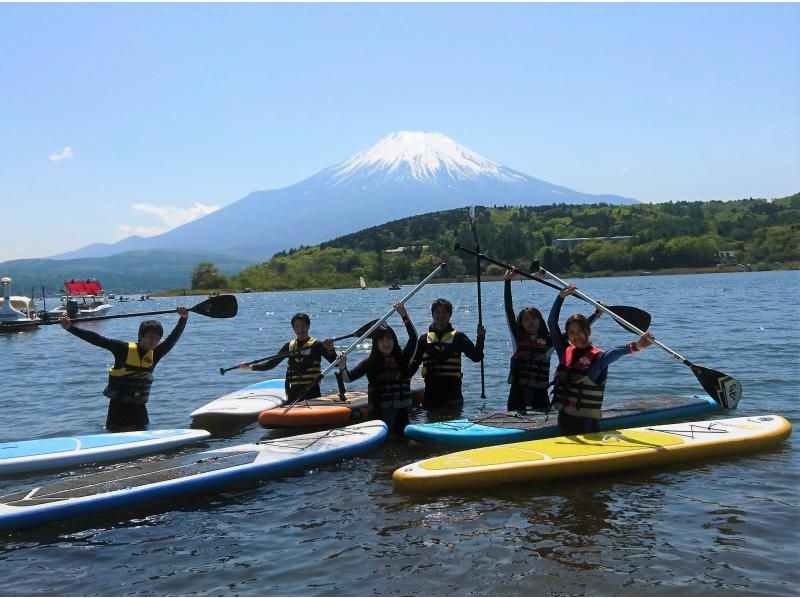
(347, 351)
(281, 355)
(478, 280)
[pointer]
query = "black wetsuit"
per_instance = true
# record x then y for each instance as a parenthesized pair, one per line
(124, 416)
(302, 370)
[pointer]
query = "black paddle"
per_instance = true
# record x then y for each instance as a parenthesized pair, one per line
(478, 280)
(358, 332)
(377, 323)
(726, 390)
(639, 317)
(220, 306)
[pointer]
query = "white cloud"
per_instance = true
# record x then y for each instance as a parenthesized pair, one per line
(170, 217)
(65, 154)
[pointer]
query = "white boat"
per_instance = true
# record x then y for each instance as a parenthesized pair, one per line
(17, 312)
(84, 298)
(362, 283)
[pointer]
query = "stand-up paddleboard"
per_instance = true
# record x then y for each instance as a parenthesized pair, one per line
(326, 411)
(168, 479)
(588, 454)
(47, 453)
(502, 428)
(244, 404)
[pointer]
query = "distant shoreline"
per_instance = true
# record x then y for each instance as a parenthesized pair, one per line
(497, 277)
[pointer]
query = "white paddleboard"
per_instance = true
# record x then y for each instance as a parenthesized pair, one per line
(48, 453)
(163, 480)
(245, 403)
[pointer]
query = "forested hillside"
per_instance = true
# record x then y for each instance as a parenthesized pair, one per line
(759, 233)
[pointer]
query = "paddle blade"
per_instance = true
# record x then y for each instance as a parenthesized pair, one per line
(724, 389)
(220, 306)
(364, 328)
(634, 315)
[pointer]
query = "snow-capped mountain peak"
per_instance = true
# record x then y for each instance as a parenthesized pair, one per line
(421, 155)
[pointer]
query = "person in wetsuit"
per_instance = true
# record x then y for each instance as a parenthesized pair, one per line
(131, 376)
(580, 378)
(388, 370)
(439, 351)
(305, 355)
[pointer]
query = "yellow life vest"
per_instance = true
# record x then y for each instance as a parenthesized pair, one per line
(131, 383)
(439, 358)
(304, 367)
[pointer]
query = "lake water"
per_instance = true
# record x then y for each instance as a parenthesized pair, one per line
(716, 528)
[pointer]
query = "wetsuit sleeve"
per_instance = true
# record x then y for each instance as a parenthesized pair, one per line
(510, 318)
(118, 348)
(466, 346)
(268, 365)
(414, 364)
(555, 332)
(349, 375)
(410, 351)
(169, 342)
(607, 358)
(329, 355)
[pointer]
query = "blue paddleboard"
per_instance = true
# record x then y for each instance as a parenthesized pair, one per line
(169, 479)
(501, 428)
(48, 453)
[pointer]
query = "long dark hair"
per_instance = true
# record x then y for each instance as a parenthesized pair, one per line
(543, 332)
(376, 358)
(581, 321)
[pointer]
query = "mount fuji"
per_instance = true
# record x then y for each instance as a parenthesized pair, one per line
(404, 174)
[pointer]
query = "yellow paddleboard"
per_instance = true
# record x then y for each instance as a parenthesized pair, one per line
(587, 454)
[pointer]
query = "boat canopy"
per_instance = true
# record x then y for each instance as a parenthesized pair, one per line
(83, 287)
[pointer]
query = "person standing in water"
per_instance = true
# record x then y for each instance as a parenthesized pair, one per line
(131, 376)
(580, 378)
(305, 355)
(388, 370)
(439, 352)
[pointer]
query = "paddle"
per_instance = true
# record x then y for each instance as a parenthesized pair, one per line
(220, 306)
(639, 317)
(358, 332)
(478, 280)
(726, 390)
(377, 323)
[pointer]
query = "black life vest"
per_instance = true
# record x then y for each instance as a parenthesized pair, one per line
(304, 366)
(388, 388)
(574, 391)
(131, 383)
(530, 363)
(440, 358)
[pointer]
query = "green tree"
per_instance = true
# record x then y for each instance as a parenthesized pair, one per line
(206, 276)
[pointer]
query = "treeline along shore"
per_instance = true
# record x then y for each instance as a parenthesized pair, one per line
(578, 240)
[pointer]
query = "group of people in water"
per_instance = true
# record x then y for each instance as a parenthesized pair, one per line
(575, 391)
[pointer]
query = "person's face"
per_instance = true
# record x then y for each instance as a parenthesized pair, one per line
(441, 317)
(385, 345)
(577, 336)
(300, 329)
(149, 341)
(530, 323)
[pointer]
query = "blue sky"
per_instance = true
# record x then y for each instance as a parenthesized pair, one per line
(131, 118)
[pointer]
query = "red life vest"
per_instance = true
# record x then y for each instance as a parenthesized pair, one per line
(574, 391)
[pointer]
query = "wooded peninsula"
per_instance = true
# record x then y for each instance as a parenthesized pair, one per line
(577, 240)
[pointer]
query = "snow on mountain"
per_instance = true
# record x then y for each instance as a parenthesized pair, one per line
(423, 156)
(404, 174)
